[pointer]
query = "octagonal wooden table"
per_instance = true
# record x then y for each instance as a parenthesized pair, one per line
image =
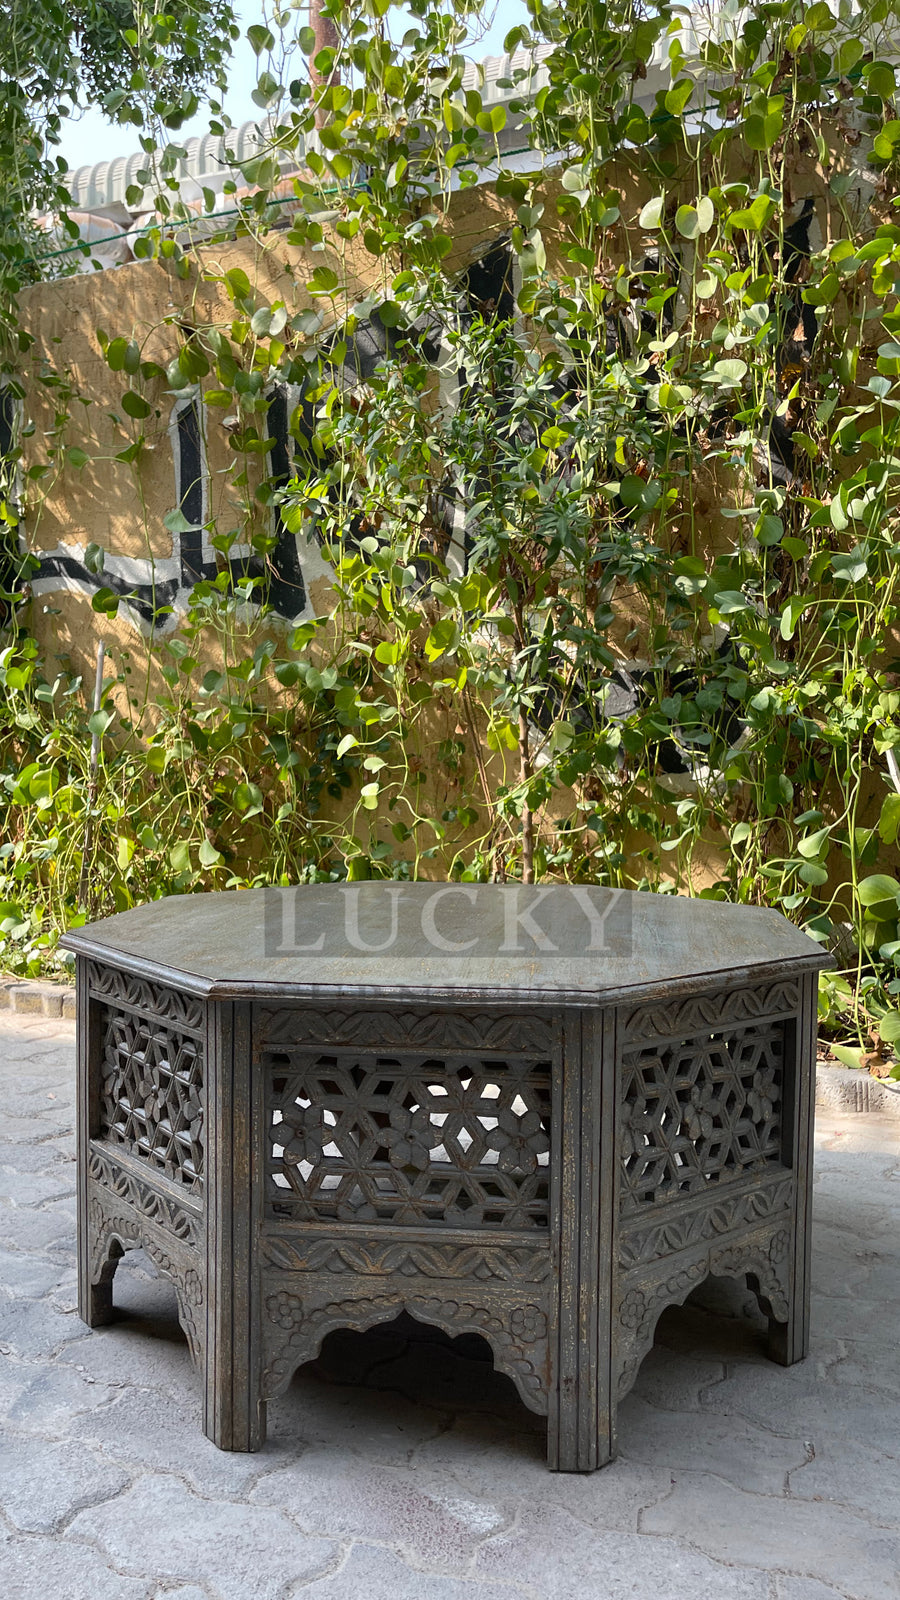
(538, 1115)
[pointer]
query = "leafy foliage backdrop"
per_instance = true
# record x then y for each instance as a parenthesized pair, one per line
(614, 551)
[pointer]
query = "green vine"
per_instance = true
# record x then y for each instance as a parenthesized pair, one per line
(613, 589)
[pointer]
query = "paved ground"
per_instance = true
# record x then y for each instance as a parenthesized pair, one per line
(401, 1467)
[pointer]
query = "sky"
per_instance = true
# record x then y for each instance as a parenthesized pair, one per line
(91, 137)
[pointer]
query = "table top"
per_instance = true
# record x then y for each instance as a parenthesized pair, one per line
(483, 942)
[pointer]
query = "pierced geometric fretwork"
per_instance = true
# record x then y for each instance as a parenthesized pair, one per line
(699, 1111)
(410, 1139)
(151, 1094)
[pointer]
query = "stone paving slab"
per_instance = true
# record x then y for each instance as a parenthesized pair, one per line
(28, 997)
(400, 1466)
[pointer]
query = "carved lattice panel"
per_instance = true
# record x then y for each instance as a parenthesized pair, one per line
(151, 1093)
(700, 1110)
(455, 1140)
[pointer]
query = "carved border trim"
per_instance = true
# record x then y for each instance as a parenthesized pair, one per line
(182, 1222)
(647, 1239)
(704, 1012)
(522, 1034)
(509, 1335)
(114, 987)
(373, 1257)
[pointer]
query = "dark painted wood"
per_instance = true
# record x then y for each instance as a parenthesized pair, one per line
(95, 1302)
(605, 1221)
(565, 1162)
(580, 1421)
(234, 1415)
(226, 945)
(789, 1341)
(547, 1159)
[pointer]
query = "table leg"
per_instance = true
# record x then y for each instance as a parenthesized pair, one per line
(789, 1341)
(234, 1415)
(95, 1302)
(582, 1420)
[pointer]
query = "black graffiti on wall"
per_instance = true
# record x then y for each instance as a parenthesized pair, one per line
(155, 590)
(191, 480)
(158, 591)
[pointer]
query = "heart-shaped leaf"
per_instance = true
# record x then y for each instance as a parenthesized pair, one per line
(652, 213)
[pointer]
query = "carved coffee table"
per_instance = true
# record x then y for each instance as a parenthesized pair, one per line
(537, 1115)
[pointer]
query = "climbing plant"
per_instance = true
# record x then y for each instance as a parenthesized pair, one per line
(147, 64)
(613, 532)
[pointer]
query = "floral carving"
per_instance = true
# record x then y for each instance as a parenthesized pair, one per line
(189, 1292)
(762, 1260)
(408, 1139)
(763, 1095)
(306, 1329)
(637, 1127)
(411, 1137)
(151, 1094)
(633, 1309)
(528, 1323)
(640, 1308)
(700, 1109)
(520, 1141)
(302, 1132)
(284, 1309)
(781, 1244)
